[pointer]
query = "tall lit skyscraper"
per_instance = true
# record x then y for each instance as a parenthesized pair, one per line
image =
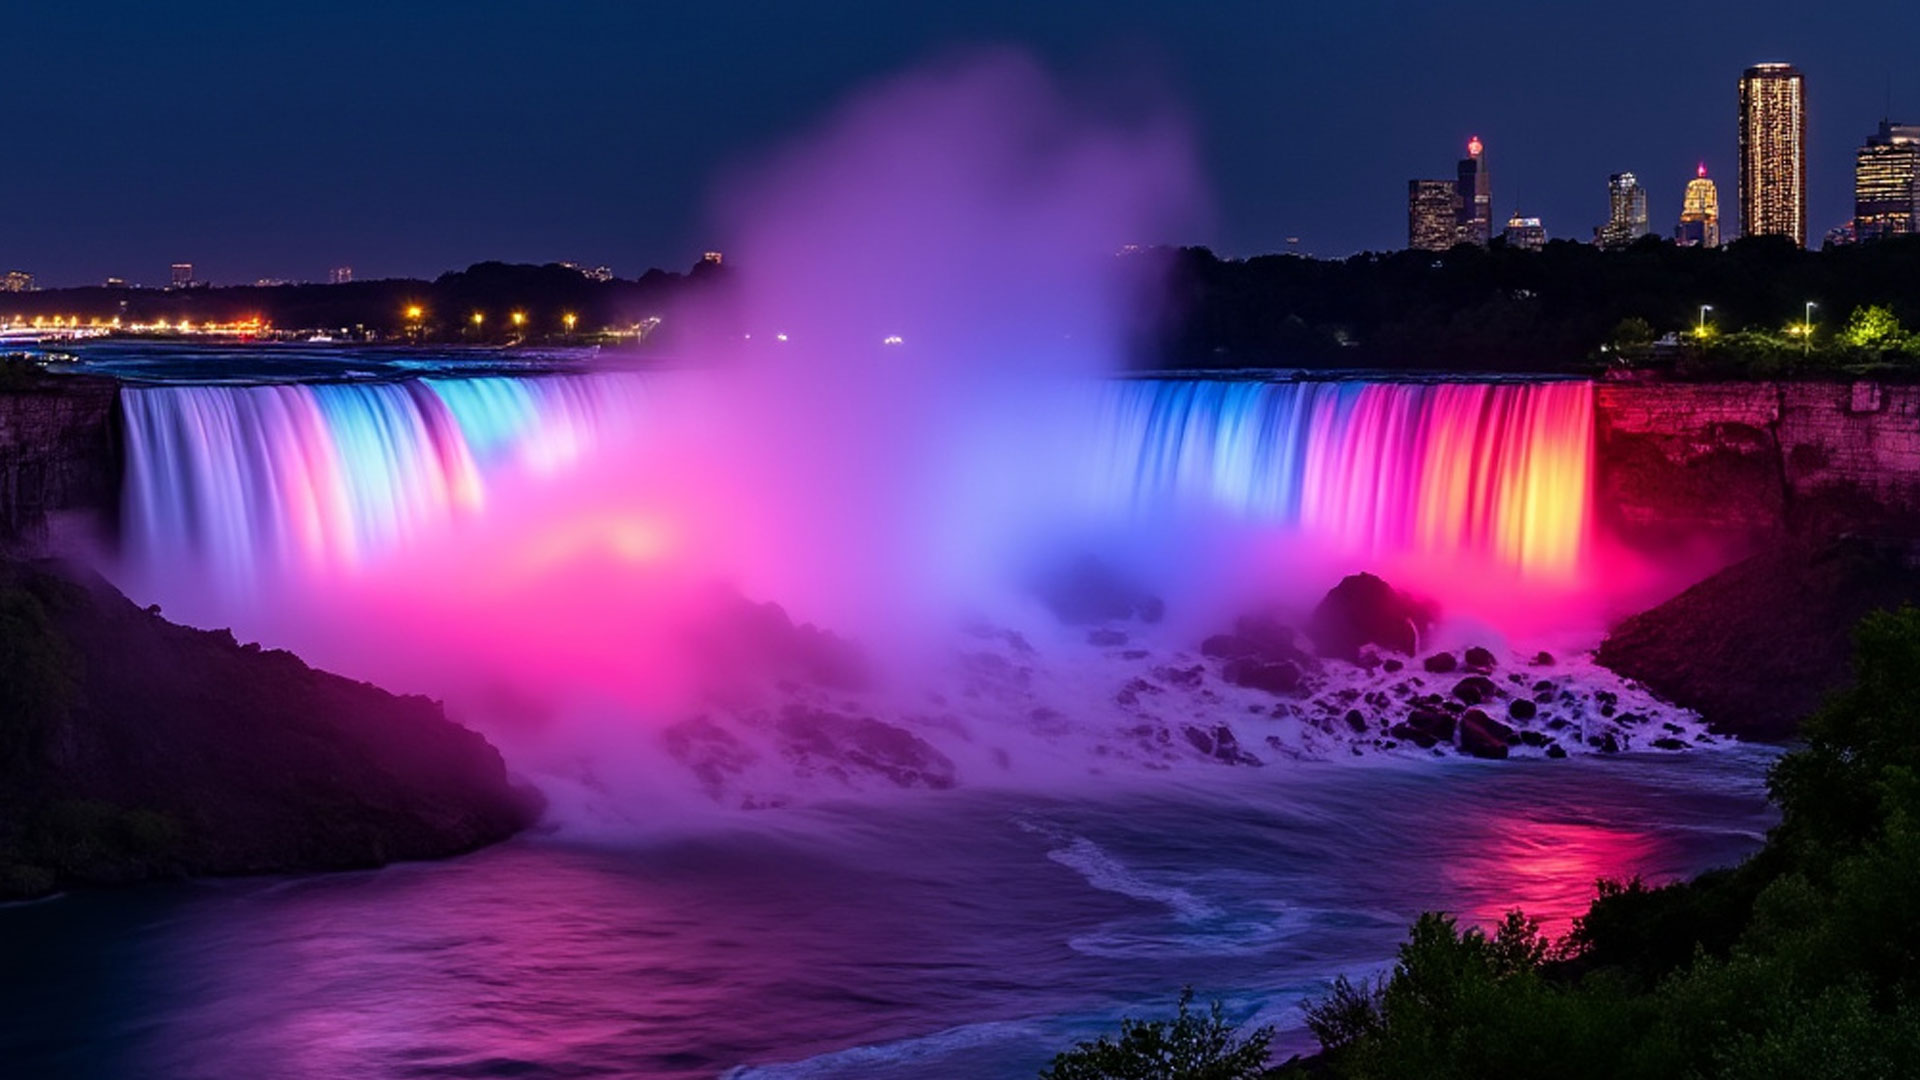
(1886, 183)
(1525, 233)
(1626, 212)
(182, 275)
(1475, 186)
(1699, 213)
(1433, 214)
(1773, 152)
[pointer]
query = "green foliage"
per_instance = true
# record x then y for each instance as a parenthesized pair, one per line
(1874, 328)
(1803, 962)
(1191, 1046)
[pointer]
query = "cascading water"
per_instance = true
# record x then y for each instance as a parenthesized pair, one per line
(1494, 472)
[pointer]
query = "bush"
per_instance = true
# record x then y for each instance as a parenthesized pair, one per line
(1188, 1047)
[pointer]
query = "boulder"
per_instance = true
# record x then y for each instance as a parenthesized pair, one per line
(1522, 709)
(1431, 722)
(1356, 720)
(1475, 689)
(1278, 677)
(1440, 663)
(1483, 736)
(1364, 610)
(1480, 660)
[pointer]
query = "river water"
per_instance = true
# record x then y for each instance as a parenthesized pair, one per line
(962, 934)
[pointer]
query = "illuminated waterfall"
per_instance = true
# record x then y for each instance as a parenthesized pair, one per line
(1496, 471)
(245, 481)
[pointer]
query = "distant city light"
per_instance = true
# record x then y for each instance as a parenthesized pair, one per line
(519, 318)
(891, 339)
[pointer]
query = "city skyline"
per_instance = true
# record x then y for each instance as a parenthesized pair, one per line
(441, 135)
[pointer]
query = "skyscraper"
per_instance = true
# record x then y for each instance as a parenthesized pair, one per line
(1699, 213)
(340, 275)
(1476, 196)
(182, 276)
(1525, 233)
(1773, 152)
(1886, 183)
(1433, 214)
(1626, 212)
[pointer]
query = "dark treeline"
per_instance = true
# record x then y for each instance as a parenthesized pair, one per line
(545, 295)
(1505, 309)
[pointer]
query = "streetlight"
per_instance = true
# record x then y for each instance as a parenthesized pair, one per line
(569, 319)
(1702, 331)
(519, 318)
(1806, 331)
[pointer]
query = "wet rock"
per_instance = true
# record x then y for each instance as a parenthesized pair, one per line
(1364, 610)
(1556, 751)
(1189, 677)
(1543, 658)
(820, 741)
(1522, 709)
(1483, 736)
(1282, 677)
(1440, 663)
(1534, 738)
(1480, 660)
(1391, 666)
(1430, 722)
(1544, 686)
(1105, 638)
(1606, 744)
(1356, 720)
(1474, 689)
(1406, 733)
(1668, 742)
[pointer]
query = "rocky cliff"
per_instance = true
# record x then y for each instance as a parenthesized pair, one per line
(59, 459)
(133, 748)
(1763, 459)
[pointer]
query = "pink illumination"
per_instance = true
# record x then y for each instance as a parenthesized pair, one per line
(1474, 146)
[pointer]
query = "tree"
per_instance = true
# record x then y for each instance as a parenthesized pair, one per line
(1191, 1046)
(1873, 327)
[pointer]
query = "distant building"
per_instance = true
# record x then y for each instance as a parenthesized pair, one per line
(1699, 213)
(116, 283)
(1773, 152)
(1525, 233)
(340, 275)
(182, 277)
(1842, 234)
(1886, 183)
(1433, 214)
(270, 282)
(713, 257)
(16, 281)
(1626, 212)
(599, 273)
(1475, 186)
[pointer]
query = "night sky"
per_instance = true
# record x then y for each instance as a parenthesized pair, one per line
(279, 139)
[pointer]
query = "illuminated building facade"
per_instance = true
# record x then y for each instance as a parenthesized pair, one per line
(340, 275)
(1699, 213)
(1475, 187)
(1773, 152)
(1433, 214)
(16, 281)
(1525, 233)
(182, 277)
(1626, 214)
(1886, 183)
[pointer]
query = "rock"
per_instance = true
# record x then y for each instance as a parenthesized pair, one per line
(1483, 736)
(1534, 738)
(1544, 686)
(1418, 738)
(1604, 743)
(1281, 677)
(1356, 720)
(849, 747)
(1555, 750)
(1429, 722)
(1106, 639)
(1440, 663)
(1364, 610)
(1475, 689)
(180, 752)
(1522, 709)
(1391, 666)
(1668, 742)
(1543, 658)
(1480, 660)
(738, 641)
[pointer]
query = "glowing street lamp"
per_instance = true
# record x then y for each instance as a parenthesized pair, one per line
(478, 318)
(519, 318)
(569, 319)
(1806, 331)
(415, 312)
(1702, 331)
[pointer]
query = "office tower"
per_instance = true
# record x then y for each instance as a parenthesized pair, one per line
(1475, 188)
(1699, 213)
(1886, 183)
(182, 275)
(340, 275)
(1773, 152)
(1627, 212)
(1525, 233)
(1433, 214)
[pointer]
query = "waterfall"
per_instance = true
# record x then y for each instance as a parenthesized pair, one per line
(244, 481)
(1498, 471)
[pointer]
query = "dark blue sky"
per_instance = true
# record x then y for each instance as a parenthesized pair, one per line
(278, 139)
